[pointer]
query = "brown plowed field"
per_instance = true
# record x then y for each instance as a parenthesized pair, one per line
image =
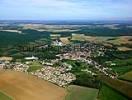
(22, 86)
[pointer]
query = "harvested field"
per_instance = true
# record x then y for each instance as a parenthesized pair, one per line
(124, 49)
(124, 43)
(22, 86)
(83, 37)
(121, 40)
(13, 31)
(65, 40)
(79, 37)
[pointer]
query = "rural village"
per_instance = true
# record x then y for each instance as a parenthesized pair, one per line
(61, 75)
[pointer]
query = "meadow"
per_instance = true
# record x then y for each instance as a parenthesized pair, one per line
(81, 93)
(127, 76)
(107, 93)
(122, 87)
(34, 66)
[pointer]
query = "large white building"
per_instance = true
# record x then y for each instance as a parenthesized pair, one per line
(31, 58)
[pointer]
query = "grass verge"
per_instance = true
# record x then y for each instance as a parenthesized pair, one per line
(4, 96)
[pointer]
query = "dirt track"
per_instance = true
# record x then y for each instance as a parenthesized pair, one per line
(21, 86)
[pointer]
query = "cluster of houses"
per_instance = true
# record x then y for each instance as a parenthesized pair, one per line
(60, 75)
(4, 62)
(105, 70)
(87, 49)
(56, 40)
(57, 43)
(84, 52)
(56, 75)
(20, 67)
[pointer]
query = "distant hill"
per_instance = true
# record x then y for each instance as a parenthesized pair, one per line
(22, 36)
(100, 31)
(14, 38)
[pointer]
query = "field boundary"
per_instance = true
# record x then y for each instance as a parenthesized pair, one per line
(7, 95)
(120, 86)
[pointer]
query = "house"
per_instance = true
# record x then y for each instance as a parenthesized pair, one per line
(6, 59)
(31, 58)
(57, 43)
(113, 64)
(2, 66)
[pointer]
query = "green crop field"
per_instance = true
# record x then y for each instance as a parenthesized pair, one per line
(3, 96)
(122, 69)
(122, 66)
(107, 93)
(34, 66)
(127, 76)
(123, 87)
(81, 93)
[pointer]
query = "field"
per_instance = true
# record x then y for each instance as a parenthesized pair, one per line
(81, 93)
(123, 43)
(121, 40)
(34, 66)
(127, 76)
(4, 96)
(123, 87)
(21, 86)
(65, 40)
(90, 38)
(14, 31)
(80, 37)
(123, 48)
(121, 70)
(122, 66)
(107, 93)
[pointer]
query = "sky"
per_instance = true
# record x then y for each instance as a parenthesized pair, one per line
(65, 10)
